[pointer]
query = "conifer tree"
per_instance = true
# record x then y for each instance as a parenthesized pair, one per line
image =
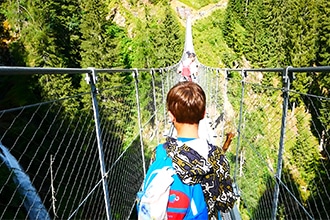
(301, 41)
(64, 18)
(101, 47)
(29, 22)
(97, 47)
(148, 42)
(141, 47)
(4, 37)
(322, 81)
(257, 39)
(277, 27)
(302, 21)
(229, 24)
(323, 33)
(102, 39)
(233, 31)
(171, 39)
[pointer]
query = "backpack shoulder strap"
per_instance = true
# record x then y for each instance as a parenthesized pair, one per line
(153, 198)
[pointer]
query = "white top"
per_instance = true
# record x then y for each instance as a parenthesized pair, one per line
(200, 146)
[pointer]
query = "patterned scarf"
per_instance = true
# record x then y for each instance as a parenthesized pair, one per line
(212, 173)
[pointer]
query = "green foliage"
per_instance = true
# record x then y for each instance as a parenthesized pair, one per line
(17, 54)
(141, 48)
(276, 28)
(301, 41)
(211, 48)
(323, 27)
(145, 96)
(229, 23)
(256, 41)
(171, 39)
(117, 100)
(259, 137)
(162, 2)
(47, 30)
(159, 41)
(17, 91)
(59, 86)
(289, 33)
(4, 37)
(99, 45)
(48, 35)
(302, 157)
(302, 84)
(64, 19)
(278, 33)
(324, 82)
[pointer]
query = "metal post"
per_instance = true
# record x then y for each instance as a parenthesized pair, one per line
(206, 88)
(168, 81)
(216, 87)
(163, 98)
(243, 74)
(209, 86)
(286, 82)
(224, 97)
(152, 72)
(52, 186)
(164, 101)
(91, 79)
(135, 75)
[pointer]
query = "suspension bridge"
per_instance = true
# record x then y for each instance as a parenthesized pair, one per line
(84, 155)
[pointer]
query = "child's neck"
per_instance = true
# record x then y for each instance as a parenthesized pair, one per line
(186, 130)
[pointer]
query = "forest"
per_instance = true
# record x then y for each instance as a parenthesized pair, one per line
(144, 34)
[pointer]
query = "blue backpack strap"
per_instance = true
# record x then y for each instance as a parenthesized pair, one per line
(153, 198)
(198, 207)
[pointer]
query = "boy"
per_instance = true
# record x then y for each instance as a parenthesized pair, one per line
(200, 167)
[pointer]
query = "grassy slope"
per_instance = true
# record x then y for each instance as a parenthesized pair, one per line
(209, 44)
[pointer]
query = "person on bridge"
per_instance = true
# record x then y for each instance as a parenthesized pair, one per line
(201, 185)
(188, 69)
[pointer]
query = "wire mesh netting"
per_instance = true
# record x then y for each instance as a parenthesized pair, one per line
(281, 160)
(57, 151)
(306, 159)
(83, 154)
(53, 148)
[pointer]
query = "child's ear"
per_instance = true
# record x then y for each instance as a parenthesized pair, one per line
(172, 118)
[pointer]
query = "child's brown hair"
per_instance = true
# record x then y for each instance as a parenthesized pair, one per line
(186, 101)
